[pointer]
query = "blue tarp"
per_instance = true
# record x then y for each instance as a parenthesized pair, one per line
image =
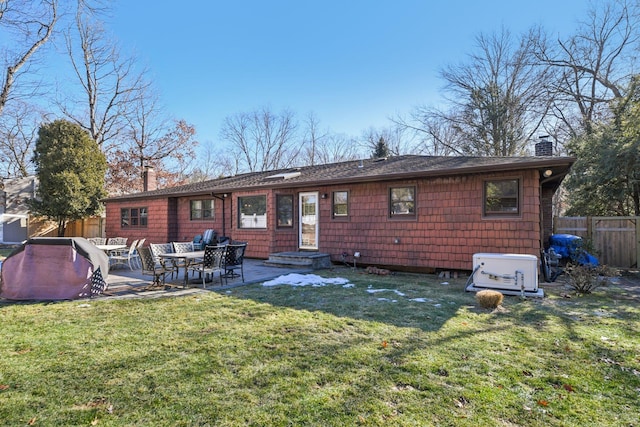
(570, 246)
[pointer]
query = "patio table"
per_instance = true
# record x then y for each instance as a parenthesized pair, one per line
(188, 258)
(110, 248)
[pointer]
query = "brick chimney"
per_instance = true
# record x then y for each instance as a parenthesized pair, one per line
(149, 182)
(544, 147)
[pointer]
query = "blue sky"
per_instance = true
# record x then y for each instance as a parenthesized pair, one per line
(352, 63)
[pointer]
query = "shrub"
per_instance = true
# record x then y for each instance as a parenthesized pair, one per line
(489, 299)
(585, 279)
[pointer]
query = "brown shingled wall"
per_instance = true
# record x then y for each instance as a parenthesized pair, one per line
(449, 227)
(157, 230)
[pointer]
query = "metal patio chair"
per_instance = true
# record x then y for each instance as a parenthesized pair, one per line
(157, 249)
(151, 268)
(126, 257)
(234, 260)
(117, 241)
(180, 247)
(213, 262)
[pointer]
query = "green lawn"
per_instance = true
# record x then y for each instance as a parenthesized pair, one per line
(420, 353)
(4, 252)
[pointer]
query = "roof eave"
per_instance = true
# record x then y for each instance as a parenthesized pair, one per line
(561, 163)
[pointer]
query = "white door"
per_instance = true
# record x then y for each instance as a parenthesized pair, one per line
(308, 220)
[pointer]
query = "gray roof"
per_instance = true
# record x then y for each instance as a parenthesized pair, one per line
(369, 170)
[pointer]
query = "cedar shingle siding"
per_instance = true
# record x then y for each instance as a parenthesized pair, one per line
(448, 228)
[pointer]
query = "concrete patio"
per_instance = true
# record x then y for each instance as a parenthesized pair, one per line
(124, 283)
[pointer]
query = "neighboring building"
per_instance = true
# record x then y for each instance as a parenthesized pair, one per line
(14, 212)
(407, 212)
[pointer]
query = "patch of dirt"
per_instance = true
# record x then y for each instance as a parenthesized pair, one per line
(628, 282)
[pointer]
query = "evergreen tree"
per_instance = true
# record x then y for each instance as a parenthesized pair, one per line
(606, 178)
(381, 150)
(71, 169)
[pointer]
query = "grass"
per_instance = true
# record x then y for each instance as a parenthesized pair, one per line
(4, 252)
(420, 353)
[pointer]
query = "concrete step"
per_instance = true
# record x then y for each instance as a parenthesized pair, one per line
(313, 260)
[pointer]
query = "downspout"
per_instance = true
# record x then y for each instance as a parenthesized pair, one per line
(223, 197)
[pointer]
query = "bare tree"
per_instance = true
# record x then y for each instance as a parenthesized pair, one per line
(313, 138)
(500, 97)
(594, 65)
(393, 137)
(19, 125)
(321, 146)
(150, 139)
(261, 140)
(431, 131)
(337, 148)
(26, 25)
(209, 164)
(110, 83)
(497, 100)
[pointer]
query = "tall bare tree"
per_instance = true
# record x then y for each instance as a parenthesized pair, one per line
(321, 146)
(594, 65)
(499, 97)
(150, 139)
(26, 26)
(110, 83)
(497, 100)
(313, 138)
(261, 140)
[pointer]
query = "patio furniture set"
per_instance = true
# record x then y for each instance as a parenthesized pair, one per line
(160, 260)
(118, 251)
(208, 254)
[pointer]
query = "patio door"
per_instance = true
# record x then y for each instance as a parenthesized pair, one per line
(308, 220)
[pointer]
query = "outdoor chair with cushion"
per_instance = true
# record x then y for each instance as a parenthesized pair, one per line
(151, 268)
(234, 260)
(197, 242)
(211, 263)
(207, 238)
(126, 257)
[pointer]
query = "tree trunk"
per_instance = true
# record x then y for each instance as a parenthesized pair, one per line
(62, 225)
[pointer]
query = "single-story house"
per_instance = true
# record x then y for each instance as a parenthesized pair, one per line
(14, 212)
(414, 213)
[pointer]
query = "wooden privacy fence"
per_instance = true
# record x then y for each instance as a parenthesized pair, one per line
(615, 240)
(88, 227)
